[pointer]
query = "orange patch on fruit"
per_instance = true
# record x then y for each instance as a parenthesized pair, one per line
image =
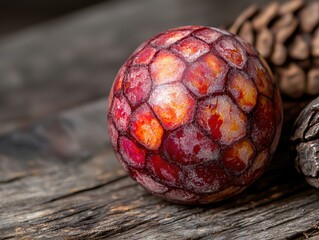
(169, 38)
(237, 158)
(232, 52)
(167, 68)
(221, 118)
(243, 90)
(145, 128)
(172, 104)
(206, 76)
(191, 49)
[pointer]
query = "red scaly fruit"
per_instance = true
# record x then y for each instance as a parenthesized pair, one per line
(194, 115)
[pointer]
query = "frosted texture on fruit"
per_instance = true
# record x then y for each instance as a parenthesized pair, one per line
(194, 115)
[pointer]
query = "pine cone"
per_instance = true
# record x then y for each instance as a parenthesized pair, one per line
(287, 36)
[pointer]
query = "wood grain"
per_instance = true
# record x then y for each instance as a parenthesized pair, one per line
(59, 179)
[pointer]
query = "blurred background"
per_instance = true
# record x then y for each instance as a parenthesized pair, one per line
(56, 55)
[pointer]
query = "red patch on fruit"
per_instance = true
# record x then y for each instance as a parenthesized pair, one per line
(121, 111)
(255, 170)
(117, 84)
(264, 123)
(237, 157)
(113, 134)
(131, 153)
(215, 122)
(137, 85)
(188, 145)
(163, 170)
(206, 179)
(145, 56)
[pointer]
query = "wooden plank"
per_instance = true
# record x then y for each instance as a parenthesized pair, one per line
(60, 180)
(73, 60)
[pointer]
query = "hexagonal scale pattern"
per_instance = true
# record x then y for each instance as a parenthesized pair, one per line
(260, 76)
(132, 154)
(167, 68)
(194, 115)
(117, 84)
(172, 104)
(237, 157)
(188, 145)
(144, 56)
(208, 35)
(113, 133)
(166, 172)
(206, 179)
(170, 37)
(121, 111)
(137, 85)
(232, 52)
(206, 76)
(145, 128)
(243, 91)
(263, 123)
(190, 49)
(220, 117)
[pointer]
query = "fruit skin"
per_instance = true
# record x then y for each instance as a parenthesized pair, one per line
(194, 115)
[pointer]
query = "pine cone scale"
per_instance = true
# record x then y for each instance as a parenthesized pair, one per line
(287, 36)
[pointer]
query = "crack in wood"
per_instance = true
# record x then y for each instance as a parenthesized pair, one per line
(72, 194)
(14, 179)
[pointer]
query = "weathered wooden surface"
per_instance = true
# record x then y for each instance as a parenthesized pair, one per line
(59, 178)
